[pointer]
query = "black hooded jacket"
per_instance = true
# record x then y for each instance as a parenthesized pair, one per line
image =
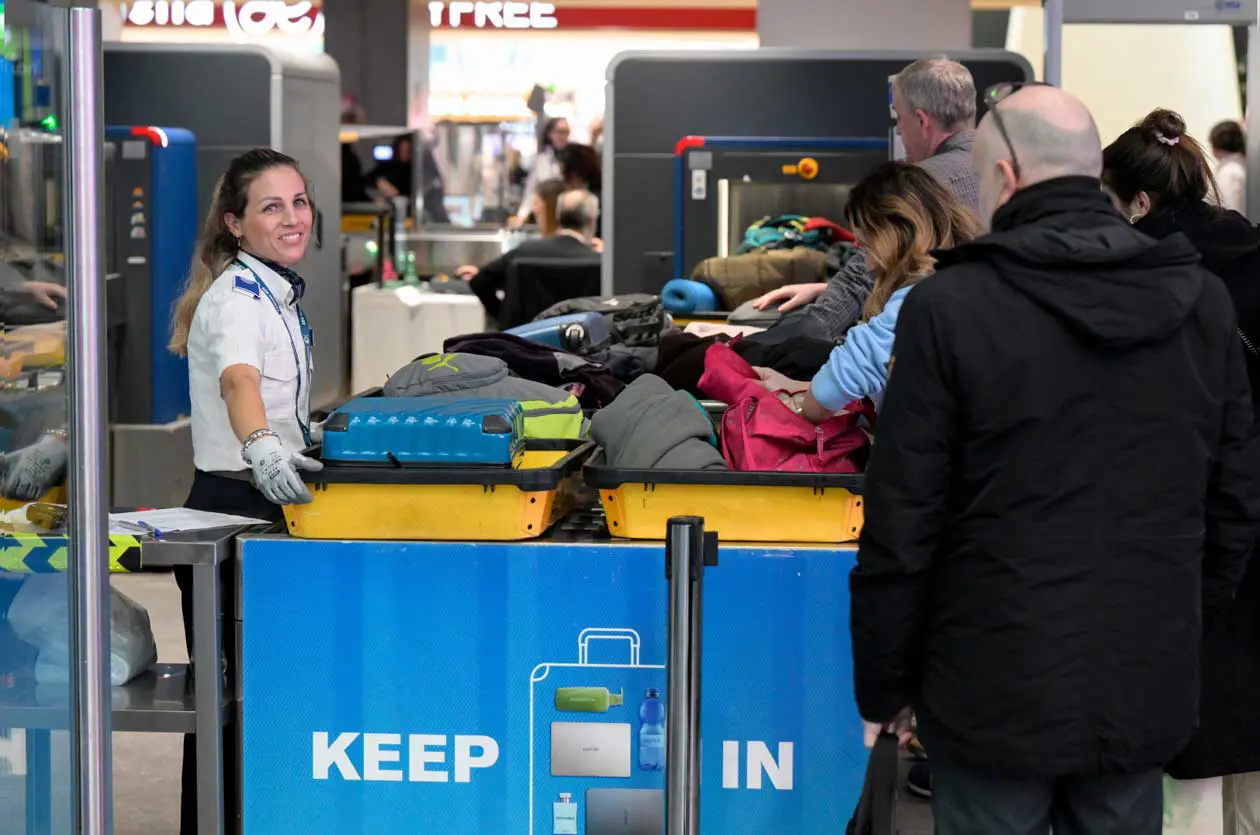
(1228, 738)
(1065, 483)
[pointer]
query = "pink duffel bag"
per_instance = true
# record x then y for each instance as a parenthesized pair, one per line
(762, 434)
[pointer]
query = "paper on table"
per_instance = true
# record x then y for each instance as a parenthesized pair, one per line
(409, 295)
(177, 519)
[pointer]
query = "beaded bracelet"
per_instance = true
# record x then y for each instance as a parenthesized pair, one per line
(255, 435)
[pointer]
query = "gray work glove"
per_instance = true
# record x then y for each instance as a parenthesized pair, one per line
(276, 471)
(317, 432)
(33, 471)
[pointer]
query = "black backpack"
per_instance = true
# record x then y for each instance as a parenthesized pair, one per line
(636, 319)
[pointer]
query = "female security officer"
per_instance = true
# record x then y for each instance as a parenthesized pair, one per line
(249, 349)
(248, 343)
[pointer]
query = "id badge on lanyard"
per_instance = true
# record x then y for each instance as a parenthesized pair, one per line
(308, 341)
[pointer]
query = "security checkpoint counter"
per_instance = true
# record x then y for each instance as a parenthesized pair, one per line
(463, 688)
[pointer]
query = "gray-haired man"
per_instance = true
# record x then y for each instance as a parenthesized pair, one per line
(935, 102)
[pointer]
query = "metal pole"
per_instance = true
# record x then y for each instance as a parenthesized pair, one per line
(89, 535)
(681, 542)
(1053, 70)
(399, 205)
(693, 705)
(1253, 119)
(607, 206)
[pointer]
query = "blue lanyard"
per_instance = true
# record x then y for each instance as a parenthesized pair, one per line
(308, 339)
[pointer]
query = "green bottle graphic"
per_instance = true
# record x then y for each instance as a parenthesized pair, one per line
(587, 699)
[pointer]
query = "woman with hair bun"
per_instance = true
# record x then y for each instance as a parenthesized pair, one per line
(1160, 178)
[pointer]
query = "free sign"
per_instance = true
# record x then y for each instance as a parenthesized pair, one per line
(496, 15)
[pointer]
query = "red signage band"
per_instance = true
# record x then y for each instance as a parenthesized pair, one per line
(657, 18)
(645, 18)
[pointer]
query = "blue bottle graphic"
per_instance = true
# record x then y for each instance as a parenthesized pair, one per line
(652, 733)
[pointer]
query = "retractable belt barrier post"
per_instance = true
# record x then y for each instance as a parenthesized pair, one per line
(688, 550)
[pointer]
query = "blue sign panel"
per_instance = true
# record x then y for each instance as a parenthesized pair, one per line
(464, 689)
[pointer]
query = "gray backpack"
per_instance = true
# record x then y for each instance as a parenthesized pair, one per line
(636, 319)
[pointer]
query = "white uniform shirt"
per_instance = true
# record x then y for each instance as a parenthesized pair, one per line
(1231, 179)
(237, 325)
(546, 167)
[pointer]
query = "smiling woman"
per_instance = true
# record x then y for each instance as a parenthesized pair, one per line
(248, 342)
(249, 345)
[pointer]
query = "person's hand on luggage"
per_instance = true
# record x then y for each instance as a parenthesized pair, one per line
(45, 292)
(776, 382)
(467, 272)
(276, 470)
(515, 222)
(790, 297)
(809, 408)
(597, 244)
(901, 726)
(33, 471)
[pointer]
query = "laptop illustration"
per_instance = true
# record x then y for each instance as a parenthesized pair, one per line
(590, 749)
(625, 812)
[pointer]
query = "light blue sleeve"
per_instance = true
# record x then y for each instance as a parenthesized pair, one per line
(859, 367)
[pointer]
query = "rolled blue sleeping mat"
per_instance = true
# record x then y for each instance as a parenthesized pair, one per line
(683, 295)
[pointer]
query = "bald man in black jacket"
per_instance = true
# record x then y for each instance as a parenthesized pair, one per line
(1062, 495)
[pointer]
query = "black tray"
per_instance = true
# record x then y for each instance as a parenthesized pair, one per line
(600, 476)
(530, 481)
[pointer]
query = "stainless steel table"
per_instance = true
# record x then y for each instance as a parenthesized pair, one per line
(168, 699)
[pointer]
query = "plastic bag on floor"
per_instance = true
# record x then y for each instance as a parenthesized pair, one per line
(40, 616)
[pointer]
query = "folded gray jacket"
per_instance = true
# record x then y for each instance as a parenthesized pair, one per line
(652, 426)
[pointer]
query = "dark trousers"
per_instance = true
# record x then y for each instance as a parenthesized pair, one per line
(220, 495)
(970, 802)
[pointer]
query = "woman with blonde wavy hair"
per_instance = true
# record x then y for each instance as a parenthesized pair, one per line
(900, 215)
(249, 347)
(248, 342)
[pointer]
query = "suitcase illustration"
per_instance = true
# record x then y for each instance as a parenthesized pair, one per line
(579, 711)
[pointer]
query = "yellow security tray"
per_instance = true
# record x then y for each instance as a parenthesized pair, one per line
(496, 504)
(739, 506)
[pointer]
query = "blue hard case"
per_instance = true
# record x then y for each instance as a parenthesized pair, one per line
(425, 432)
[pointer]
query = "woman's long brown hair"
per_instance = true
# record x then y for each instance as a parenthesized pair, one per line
(549, 192)
(901, 214)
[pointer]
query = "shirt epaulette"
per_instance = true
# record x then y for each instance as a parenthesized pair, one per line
(246, 286)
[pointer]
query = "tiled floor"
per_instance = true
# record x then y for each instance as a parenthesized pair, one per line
(147, 766)
(914, 816)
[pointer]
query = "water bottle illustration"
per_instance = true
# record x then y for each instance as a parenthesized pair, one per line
(652, 733)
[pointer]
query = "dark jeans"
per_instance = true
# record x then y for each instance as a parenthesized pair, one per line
(970, 802)
(221, 495)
